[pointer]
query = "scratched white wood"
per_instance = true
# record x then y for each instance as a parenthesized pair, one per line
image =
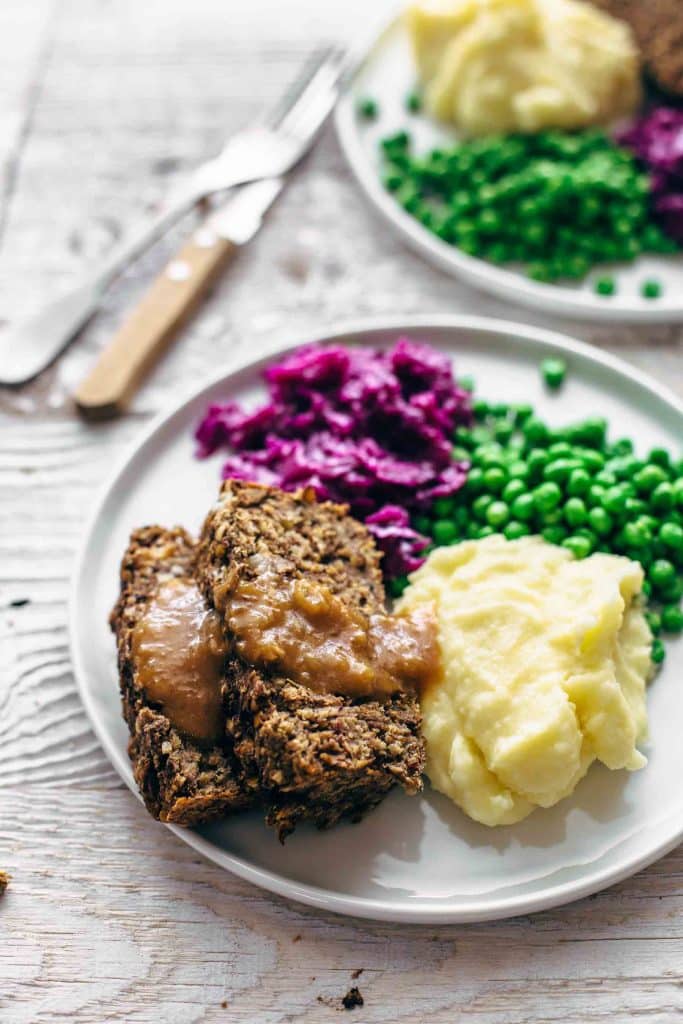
(109, 917)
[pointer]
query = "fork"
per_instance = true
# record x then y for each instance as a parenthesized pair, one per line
(265, 150)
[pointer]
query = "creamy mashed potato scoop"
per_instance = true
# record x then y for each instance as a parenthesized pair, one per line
(545, 661)
(523, 65)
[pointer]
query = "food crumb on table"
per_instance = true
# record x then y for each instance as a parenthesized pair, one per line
(352, 999)
(357, 973)
(4, 881)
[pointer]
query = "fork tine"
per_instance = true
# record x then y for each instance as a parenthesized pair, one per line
(298, 86)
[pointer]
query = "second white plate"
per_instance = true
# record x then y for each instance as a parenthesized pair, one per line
(386, 72)
(419, 858)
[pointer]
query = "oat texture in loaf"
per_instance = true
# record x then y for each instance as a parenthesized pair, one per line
(312, 756)
(179, 780)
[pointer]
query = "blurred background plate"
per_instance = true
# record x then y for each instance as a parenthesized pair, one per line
(386, 72)
(420, 858)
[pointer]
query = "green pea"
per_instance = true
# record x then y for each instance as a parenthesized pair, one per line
(672, 618)
(495, 479)
(651, 289)
(600, 521)
(414, 102)
(461, 516)
(593, 461)
(560, 470)
(518, 469)
(444, 531)
(635, 535)
(654, 621)
(480, 409)
(660, 457)
(662, 498)
(513, 489)
(554, 371)
(634, 507)
(575, 512)
(605, 286)
(535, 431)
(662, 573)
(504, 431)
(649, 478)
(398, 585)
(537, 459)
(423, 524)
(559, 448)
(480, 505)
(596, 492)
(554, 534)
(444, 507)
(579, 546)
(672, 592)
(514, 530)
(671, 534)
(484, 531)
(547, 497)
(614, 499)
(522, 412)
(475, 480)
(658, 652)
(605, 479)
(624, 446)
(497, 514)
(367, 108)
(578, 483)
(524, 507)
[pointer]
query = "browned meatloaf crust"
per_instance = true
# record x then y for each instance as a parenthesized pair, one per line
(180, 781)
(658, 28)
(313, 756)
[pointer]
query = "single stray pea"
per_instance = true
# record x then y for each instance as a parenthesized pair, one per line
(553, 372)
(651, 289)
(367, 108)
(605, 286)
(414, 101)
(657, 653)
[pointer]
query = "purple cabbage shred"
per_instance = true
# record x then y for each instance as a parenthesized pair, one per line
(368, 428)
(657, 140)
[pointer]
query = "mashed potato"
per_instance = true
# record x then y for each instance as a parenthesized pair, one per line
(545, 660)
(523, 65)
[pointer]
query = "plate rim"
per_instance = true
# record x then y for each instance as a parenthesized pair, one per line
(495, 281)
(419, 911)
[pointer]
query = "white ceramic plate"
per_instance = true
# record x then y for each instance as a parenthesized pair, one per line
(386, 72)
(420, 858)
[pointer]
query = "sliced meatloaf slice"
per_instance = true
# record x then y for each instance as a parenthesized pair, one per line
(313, 756)
(181, 780)
(658, 28)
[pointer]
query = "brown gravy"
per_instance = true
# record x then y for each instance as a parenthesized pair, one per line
(179, 653)
(303, 630)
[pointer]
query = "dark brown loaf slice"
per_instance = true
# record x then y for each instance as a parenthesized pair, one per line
(658, 28)
(180, 781)
(313, 756)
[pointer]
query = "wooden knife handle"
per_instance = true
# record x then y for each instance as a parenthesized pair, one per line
(172, 298)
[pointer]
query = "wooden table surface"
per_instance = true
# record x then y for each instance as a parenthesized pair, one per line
(103, 103)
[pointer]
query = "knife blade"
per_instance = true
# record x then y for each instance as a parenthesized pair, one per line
(172, 298)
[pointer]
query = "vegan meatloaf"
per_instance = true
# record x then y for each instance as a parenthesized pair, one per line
(658, 28)
(312, 756)
(180, 780)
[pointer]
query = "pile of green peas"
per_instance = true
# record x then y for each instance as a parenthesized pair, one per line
(557, 202)
(576, 489)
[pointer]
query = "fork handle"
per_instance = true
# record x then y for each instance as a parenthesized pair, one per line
(171, 299)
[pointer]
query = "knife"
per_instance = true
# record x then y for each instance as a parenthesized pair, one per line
(172, 298)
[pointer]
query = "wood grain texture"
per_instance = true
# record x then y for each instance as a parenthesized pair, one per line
(108, 916)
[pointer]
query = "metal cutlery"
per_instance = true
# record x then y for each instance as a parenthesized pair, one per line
(266, 151)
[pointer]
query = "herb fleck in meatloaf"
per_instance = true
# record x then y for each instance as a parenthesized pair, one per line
(312, 756)
(180, 780)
